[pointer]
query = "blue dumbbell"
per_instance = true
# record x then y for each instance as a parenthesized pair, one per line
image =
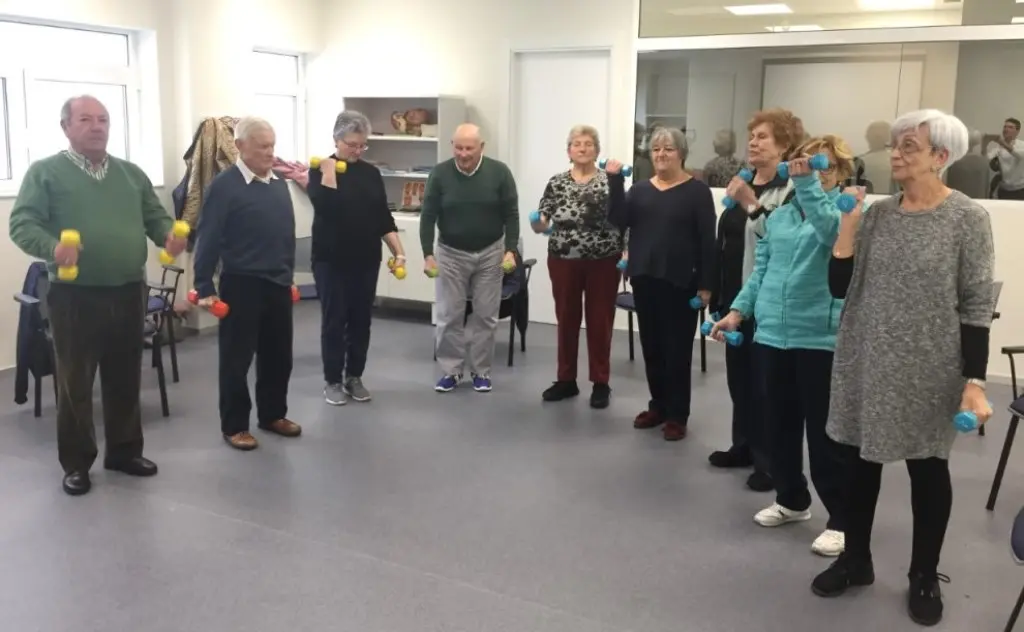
(732, 338)
(696, 303)
(747, 176)
(705, 327)
(627, 171)
(966, 421)
(535, 218)
(818, 162)
(846, 202)
(622, 265)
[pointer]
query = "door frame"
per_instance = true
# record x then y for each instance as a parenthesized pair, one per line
(508, 112)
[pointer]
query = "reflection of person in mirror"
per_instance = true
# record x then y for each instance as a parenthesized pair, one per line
(971, 174)
(1007, 155)
(721, 169)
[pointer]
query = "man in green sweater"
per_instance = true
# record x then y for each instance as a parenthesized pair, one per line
(97, 299)
(472, 201)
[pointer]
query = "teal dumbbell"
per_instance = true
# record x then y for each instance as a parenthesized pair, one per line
(535, 217)
(622, 265)
(818, 162)
(747, 176)
(966, 420)
(627, 171)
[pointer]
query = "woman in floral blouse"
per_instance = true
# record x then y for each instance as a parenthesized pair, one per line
(583, 250)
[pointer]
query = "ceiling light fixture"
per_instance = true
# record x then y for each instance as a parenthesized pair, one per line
(795, 28)
(759, 9)
(895, 5)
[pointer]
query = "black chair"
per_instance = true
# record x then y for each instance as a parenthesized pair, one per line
(625, 301)
(41, 360)
(1016, 410)
(515, 305)
(1017, 550)
(162, 297)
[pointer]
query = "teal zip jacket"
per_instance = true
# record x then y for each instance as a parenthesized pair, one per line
(787, 293)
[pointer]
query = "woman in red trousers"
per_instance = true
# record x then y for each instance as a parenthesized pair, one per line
(583, 250)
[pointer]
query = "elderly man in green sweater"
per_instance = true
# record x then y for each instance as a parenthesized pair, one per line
(96, 314)
(472, 201)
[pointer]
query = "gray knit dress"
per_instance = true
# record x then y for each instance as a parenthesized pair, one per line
(897, 373)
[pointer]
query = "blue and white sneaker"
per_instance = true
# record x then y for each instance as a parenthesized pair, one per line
(448, 383)
(481, 383)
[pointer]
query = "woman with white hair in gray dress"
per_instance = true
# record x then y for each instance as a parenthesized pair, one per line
(912, 350)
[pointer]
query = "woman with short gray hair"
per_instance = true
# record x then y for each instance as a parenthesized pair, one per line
(583, 251)
(672, 255)
(912, 348)
(350, 217)
(721, 169)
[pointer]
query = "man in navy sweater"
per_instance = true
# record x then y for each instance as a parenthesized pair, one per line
(248, 226)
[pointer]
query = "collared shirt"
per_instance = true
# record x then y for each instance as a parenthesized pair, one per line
(1011, 164)
(249, 176)
(96, 171)
(475, 169)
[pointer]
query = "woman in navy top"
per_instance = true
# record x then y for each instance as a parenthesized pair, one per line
(671, 222)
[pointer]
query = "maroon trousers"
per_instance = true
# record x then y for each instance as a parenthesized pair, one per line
(571, 281)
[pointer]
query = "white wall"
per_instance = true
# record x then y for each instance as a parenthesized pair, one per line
(198, 50)
(992, 90)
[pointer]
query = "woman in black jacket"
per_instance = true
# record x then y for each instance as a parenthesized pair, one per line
(350, 217)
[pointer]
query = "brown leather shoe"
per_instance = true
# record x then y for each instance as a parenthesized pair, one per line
(283, 427)
(673, 431)
(242, 441)
(648, 419)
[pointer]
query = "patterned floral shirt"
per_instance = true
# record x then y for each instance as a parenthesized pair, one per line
(579, 218)
(719, 171)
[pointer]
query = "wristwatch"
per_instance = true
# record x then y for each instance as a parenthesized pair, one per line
(976, 382)
(750, 208)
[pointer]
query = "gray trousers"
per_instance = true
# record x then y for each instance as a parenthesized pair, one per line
(462, 276)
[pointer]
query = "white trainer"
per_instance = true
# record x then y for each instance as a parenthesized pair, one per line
(830, 543)
(776, 515)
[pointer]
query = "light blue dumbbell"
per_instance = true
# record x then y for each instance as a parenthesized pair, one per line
(818, 162)
(535, 218)
(747, 176)
(966, 421)
(696, 303)
(732, 338)
(622, 265)
(627, 171)
(846, 202)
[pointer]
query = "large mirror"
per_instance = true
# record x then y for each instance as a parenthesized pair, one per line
(675, 18)
(852, 91)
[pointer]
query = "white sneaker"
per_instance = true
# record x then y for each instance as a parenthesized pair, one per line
(777, 515)
(830, 543)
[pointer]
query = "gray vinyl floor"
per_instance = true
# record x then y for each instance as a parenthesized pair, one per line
(462, 512)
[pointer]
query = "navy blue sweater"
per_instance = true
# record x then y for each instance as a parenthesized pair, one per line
(248, 228)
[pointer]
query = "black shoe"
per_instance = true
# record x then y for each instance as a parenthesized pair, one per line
(599, 396)
(845, 572)
(732, 457)
(560, 390)
(77, 483)
(136, 466)
(760, 481)
(924, 599)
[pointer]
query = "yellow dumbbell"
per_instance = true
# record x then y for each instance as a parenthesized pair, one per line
(180, 230)
(397, 270)
(340, 166)
(69, 237)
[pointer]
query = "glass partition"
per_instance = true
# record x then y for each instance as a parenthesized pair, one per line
(852, 91)
(677, 18)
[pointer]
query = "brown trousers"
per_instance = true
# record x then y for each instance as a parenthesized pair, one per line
(97, 328)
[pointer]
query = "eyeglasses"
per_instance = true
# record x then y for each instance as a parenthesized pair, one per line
(356, 146)
(909, 148)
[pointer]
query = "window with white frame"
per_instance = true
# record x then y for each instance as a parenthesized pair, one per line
(41, 66)
(279, 97)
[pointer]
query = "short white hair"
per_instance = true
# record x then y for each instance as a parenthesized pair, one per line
(249, 125)
(351, 122)
(674, 137)
(945, 131)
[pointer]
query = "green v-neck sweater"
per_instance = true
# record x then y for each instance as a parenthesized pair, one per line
(113, 215)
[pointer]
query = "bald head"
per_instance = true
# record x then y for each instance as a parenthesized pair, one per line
(467, 147)
(86, 124)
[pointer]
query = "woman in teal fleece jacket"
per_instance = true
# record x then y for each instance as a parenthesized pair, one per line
(797, 320)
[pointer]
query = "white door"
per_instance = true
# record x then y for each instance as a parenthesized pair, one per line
(551, 92)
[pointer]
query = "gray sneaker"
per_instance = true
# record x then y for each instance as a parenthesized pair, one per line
(354, 388)
(334, 395)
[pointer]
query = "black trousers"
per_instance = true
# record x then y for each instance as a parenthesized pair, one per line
(667, 328)
(744, 370)
(346, 295)
(97, 328)
(931, 501)
(798, 382)
(260, 324)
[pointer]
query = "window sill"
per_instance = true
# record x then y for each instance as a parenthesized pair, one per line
(9, 188)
